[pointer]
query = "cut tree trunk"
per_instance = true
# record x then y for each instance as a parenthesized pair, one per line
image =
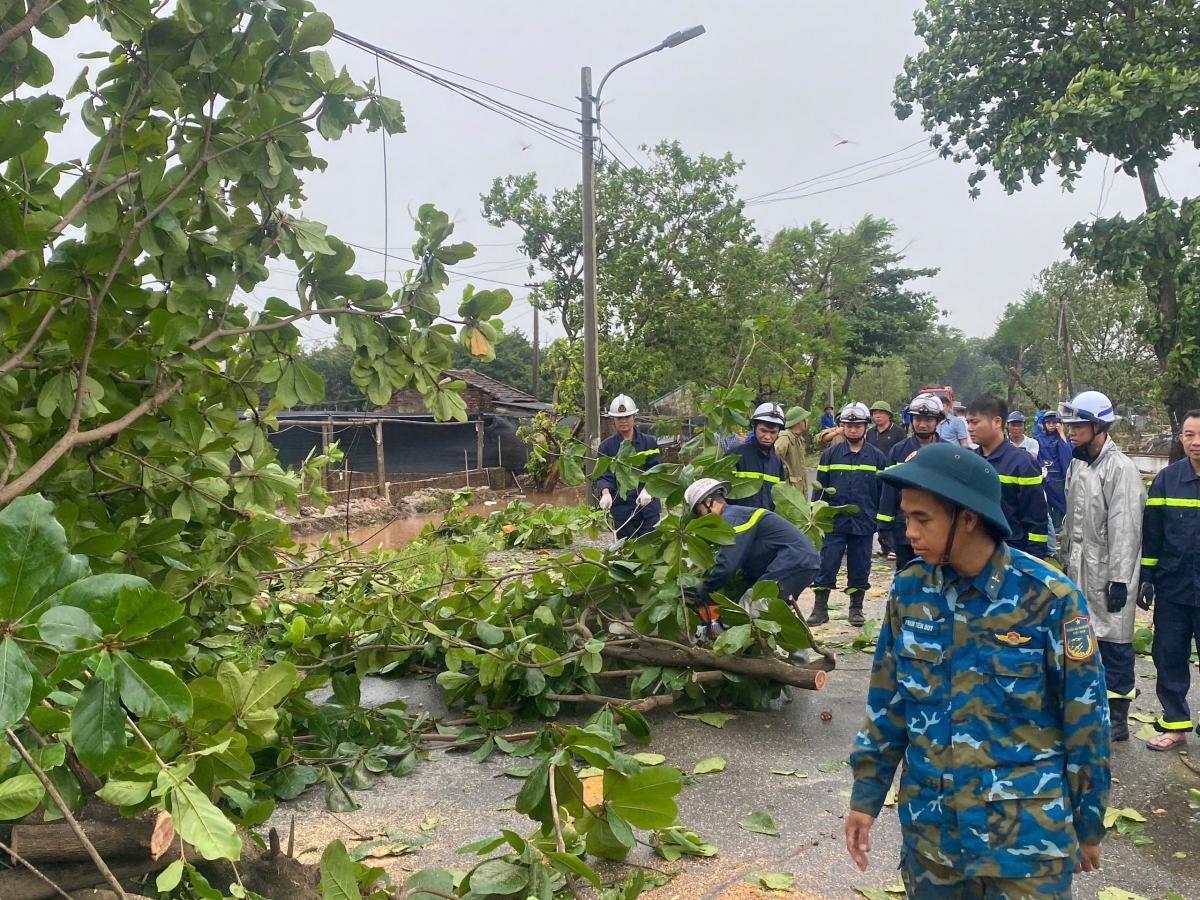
(21, 884)
(657, 652)
(148, 835)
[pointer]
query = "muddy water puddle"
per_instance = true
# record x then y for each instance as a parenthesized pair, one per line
(399, 532)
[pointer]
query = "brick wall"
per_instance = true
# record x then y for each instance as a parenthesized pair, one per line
(411, 402)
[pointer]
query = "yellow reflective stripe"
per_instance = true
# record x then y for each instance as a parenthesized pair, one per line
(1016, 479)
(882, 518)
(1149, 561)
(1172, 501)
(839, 467)
(1174, 726)
(1112, 695)
(650, 452)
(1038, 538)
(749, 523)
(760, 475)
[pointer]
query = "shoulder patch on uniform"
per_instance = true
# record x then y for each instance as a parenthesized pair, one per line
(1078, 642)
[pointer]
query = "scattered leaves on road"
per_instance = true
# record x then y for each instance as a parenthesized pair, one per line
(715, 719)
(650, 759)
(834, 765)
(759, 822)
(772, 881)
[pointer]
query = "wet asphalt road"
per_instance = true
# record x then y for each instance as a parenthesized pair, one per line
(476, 798)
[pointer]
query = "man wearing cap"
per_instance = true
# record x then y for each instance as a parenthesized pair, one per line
(1020, 475)
(827, 419)
(1102, 546)
(884, 436)
(1171, 576)
(953, 429)
(1017, 435)
(847, 476)
(635, 513)
(790, 449)
(757, 458)
(1054, 453)
(927, 414)
(987, 686)
(766, 547)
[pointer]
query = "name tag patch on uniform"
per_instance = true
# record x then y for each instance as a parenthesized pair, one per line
(1013, 639)
(1078, 643)
(920, 626)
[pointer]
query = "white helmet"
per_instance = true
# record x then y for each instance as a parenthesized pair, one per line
(926, 405)
(705, 487)
(854, 412)
(1092, 407)
(768, 414)
(622, 405)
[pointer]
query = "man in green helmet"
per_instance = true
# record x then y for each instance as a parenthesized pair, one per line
(987, 686)
(789, 447)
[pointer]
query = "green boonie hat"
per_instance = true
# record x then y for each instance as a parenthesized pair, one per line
(882, 407)
(795, 416)
(959, 475)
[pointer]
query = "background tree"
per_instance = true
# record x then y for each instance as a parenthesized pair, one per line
(1020, 87)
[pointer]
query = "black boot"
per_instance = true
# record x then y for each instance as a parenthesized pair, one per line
(855, 615)
(820, 613)
(1118, 711)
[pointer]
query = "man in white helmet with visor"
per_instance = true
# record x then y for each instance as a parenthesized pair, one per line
(635, 513)
(757, 458)
(1102, 548)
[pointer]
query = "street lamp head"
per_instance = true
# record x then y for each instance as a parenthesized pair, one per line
(680, 37)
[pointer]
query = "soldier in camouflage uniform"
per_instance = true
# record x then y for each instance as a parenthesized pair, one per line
(987, 685)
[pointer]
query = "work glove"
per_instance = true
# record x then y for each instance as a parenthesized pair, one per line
(643, 497)
(606, 501)
(1146, 596)
(1117, 594)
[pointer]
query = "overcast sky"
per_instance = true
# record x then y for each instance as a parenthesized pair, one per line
(777, 84)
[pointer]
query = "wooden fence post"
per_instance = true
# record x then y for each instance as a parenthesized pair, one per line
(381, 462)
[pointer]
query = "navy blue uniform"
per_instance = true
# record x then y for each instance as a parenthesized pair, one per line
(854, 477)
(1054, 454)
(630, 520)
(890, 516)
(1022, 496)
(1171, 562)
(762, 463)
(766, 547)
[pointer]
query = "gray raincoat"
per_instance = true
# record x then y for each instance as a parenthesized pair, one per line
(1103, 536)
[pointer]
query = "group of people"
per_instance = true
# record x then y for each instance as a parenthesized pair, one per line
(991, 663)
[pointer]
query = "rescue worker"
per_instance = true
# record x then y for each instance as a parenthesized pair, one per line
(636, 512)
(1017, 435)
(766, 546)
(1054, 454)
(757, 457)
(1024, 498)
(884, 436)
(1103, 541)
(1171, 576)
(986, 685)
(790, 449)
(927, 413)
(851, 470)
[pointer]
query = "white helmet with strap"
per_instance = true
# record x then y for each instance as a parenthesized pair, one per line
(1092, 407)
(768, 414)
(854, 412)
(622, 405)
(926, 405)
(701, 489)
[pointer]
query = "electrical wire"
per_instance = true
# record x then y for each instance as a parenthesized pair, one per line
(449, 272)
(907, 167)
(867, 163)
(383, 131)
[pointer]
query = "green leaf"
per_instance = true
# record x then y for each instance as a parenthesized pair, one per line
(149, 690)
(33, 549)
(168, 879)
(19, 796)
(495, 876)
(125, 793)
(68, 628)
(315, 31)
(16, 683)
(203, 825)
(438, 879)
(337, 874)
(759, 823)
(709, 765)
(140, 612)
(575, 865)
(715, 719)
(650, 759)
(98, 726)
(772, 881)
(644, 799)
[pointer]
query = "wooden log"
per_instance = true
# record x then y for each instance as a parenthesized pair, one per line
(643, 706)
(21, 884)
(658, 652)
(149, 835)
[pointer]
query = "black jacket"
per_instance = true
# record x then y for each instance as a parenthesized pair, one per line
(890, 516)
(763, 463)
(1171, 534)
(1022, 496)
(854, 478)
(766, 546)
(887, 439)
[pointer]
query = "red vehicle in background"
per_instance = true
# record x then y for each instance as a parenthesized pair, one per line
(941, 391)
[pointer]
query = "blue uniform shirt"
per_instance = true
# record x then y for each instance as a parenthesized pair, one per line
(611, 446)
(890, 516)
(854, 478)
(1022, 496)
(991, 691)
(766, 546)
(1171, 534)
(827, 421)
(1054, 453)
(763, 464)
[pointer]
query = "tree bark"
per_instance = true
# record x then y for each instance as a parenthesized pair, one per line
(656, 652)
(21, 884)
(150, 834)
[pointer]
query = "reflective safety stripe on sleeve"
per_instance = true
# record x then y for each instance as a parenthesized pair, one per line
(1173, 501)
(1038, 538)
(1017, 479)
(759, 475)
(1148, 561)
(840, 467)
(749, 523)
(882, 518)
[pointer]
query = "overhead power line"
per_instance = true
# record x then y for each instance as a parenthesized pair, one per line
(904, 164)
(851, 171)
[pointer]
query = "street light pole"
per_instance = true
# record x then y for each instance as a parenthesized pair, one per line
(589, 119)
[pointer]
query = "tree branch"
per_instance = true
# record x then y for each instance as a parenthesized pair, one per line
(25, 25)
(17, 358)
(12, 457)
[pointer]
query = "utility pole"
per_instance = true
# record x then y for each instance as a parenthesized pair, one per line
(537, 358)
(1065, 330)
(591, 328)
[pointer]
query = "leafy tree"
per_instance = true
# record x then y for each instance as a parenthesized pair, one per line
(333, 362)
(513, 364)
(1019, 87)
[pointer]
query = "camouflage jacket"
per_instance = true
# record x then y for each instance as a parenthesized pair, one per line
(991, 691)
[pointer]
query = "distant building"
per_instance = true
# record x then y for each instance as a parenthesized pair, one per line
(482, 395)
